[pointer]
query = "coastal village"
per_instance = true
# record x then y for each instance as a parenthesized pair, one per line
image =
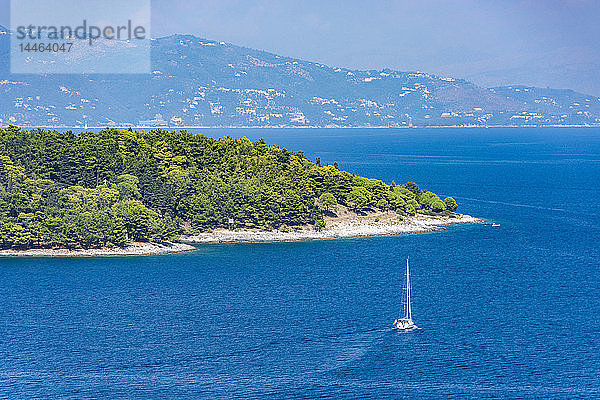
(201, 83)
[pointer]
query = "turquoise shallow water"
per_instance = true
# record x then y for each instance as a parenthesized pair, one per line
(506, 312)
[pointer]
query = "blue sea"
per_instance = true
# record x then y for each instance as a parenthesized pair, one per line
(506, 312)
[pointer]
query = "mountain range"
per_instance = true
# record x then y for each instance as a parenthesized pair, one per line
(200, 82)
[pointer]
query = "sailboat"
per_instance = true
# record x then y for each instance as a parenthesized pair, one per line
(406, 323)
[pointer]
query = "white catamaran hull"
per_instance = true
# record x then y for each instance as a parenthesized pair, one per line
(404, 325)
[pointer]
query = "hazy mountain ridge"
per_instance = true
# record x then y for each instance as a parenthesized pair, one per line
(199, 82)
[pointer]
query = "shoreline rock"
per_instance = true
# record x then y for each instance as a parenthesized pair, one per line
(349, 228)
(134, 249)
(348, 225)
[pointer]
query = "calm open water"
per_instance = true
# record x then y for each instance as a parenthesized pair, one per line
(506, 312)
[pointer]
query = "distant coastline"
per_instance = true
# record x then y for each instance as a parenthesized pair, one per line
(127, 126)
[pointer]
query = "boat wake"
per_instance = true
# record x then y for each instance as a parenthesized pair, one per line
(511, 204)
(348, 349)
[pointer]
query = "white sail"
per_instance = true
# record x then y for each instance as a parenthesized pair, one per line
(408, 307)
(406, 323)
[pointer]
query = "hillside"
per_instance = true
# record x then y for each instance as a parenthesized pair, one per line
(114, 187)
(199, 82)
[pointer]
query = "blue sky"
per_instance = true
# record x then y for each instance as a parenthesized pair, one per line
(544, 42)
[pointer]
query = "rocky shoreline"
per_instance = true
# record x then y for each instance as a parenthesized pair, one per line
(344, 225)
(134, 249)
(380, 224)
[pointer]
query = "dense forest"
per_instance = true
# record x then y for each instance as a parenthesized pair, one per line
(113, 187)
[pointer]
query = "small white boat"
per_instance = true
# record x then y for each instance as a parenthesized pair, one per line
(495, 224)
(406, 323)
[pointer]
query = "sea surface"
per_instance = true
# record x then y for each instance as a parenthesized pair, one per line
(506, 312)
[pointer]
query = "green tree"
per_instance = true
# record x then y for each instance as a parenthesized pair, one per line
(128, 187)
(383, 204)
(430, 201)
(450, 203)
(360, 198)
(414, 188)
(327, 200)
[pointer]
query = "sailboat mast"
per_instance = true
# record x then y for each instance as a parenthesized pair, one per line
(408, 292)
